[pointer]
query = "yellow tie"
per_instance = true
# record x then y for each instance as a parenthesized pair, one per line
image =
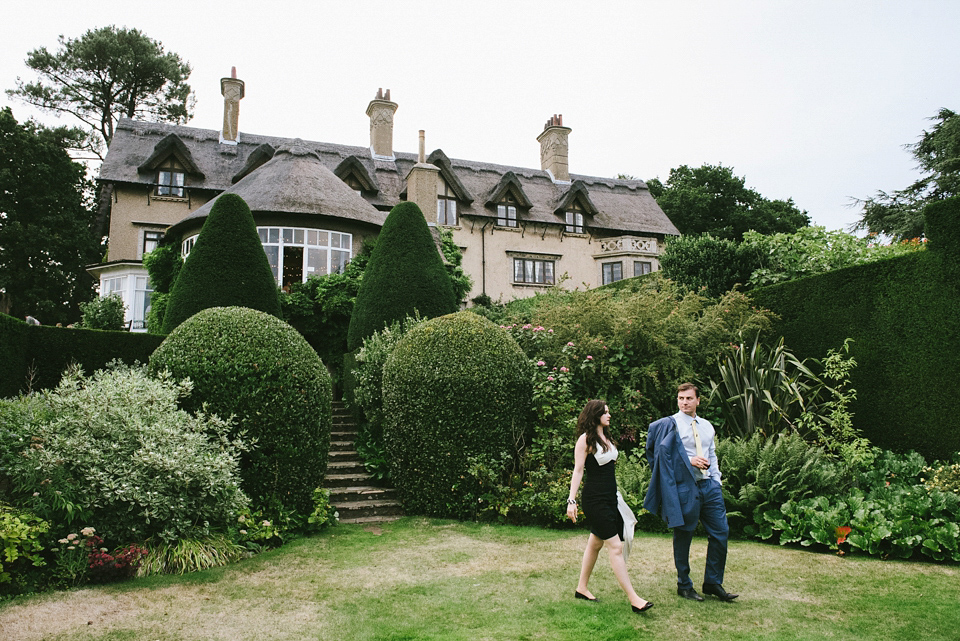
(696, 438)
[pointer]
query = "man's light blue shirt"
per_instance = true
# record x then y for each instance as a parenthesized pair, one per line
(707, 443)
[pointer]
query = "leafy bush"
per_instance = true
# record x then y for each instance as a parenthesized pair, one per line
(226, 267)
(714, 265)
(256, 368)
(943, 478)
(455, 387)
(190, 555)
(114, 450)
(405, 276)
(20, 545)
(762, 473)
(459, 279)
(163, 266)
(103, 313)
(367, 398)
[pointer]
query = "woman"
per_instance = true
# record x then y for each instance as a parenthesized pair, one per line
(602, 504)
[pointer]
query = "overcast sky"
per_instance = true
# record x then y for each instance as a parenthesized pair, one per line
(808, 100)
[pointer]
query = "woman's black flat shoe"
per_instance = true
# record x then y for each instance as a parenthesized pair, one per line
(580, 595)
(646, 607)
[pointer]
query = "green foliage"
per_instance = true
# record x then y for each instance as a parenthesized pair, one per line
(943, 232)
(256, 368)
(113, 449)
(760, 474)
(459, 279)
(45, 237)
(320, 308)
(405, 276)
(190, 555)
(454, 388)
(712, 200)
(813, 250)
(163, 266)
(367, 399)
(20, 544)
(900, 214)
(104, 313)
(34, 358)
(105, 74)
(225, 268)
(706, 262)
(943, 478)
(903, 315)
(323, 514)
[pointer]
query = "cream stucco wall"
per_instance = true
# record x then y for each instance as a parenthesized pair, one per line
(133, 211)
(489, 253)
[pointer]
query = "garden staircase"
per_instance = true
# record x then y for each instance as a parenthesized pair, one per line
(352, 490)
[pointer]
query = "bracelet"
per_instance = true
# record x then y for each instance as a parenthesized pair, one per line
(571, 502)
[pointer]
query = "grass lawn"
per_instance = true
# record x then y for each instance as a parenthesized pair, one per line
(423, 579)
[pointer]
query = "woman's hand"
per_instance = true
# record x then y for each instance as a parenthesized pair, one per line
(572, 512)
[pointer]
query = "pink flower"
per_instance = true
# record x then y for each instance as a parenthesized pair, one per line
(589, 358)
(540, 363)
(549, 378)
(564, 369)
(569, 344)
(549, 331)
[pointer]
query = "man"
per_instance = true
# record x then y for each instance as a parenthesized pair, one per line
(685, 489)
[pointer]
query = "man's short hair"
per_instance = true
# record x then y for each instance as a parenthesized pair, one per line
(683, 387)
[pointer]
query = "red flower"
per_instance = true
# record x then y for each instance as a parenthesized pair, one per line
(842, 533)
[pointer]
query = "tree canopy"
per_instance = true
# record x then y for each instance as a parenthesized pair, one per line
(711, 199)
(105, 74)
(45, 219)
(899, 214)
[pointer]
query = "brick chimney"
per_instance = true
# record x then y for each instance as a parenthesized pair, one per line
(422, 184)
(554, 149)
(232, 90)
(381, 112)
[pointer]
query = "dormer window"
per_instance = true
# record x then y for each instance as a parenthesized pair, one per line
(574, 218)
(354, 183)
(507, 212)
(446, 204)
(170, 177)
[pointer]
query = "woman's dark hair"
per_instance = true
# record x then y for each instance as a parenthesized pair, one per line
(587, 424)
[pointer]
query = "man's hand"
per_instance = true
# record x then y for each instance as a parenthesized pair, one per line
(700, 462)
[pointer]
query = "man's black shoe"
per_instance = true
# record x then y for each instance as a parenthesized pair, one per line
(689, 593)
(717, 590)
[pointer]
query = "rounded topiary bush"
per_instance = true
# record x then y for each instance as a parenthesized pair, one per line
(456, 387)
(255, 367)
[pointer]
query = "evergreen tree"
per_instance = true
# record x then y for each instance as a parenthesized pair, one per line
(226, 268)
(405, 276)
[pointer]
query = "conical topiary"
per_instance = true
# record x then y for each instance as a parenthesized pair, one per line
(226, 268)
(405, 275)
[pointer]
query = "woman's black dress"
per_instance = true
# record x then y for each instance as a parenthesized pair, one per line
(599, 498)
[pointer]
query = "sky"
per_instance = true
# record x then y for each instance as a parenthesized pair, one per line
(812, 100)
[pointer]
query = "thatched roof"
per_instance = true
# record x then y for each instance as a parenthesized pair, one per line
(616, 206)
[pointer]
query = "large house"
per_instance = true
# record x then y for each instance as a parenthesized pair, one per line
(520, 229)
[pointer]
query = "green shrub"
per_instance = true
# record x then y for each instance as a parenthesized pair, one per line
(112, 449)
(714, 265)
(20, 546)
(103, 313)
(226, 267)
(366, 401)
(760, 474)
(163, 266)
(405, 276)
(455, 387)
(14, 354)
(256, 368)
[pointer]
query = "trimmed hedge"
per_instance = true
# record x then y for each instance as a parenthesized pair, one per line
(227, 267)
(904, 317)
(36, 356)
(405, 276)
(456, 387)
(255, 367)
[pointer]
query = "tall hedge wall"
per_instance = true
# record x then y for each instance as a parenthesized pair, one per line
(904, 317)
(43, 352)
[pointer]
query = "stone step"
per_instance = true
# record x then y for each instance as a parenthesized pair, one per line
(358, 493)
(343, 436)
(364, 520)
(366, 509)
(341, 446)
(342, 479)
(344, 456)
(346, 467)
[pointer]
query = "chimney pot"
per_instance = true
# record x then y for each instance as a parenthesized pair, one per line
(380, 111)
(554, 150)
(232, 90)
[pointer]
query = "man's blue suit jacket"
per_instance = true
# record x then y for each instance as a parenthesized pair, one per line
(673, 488)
